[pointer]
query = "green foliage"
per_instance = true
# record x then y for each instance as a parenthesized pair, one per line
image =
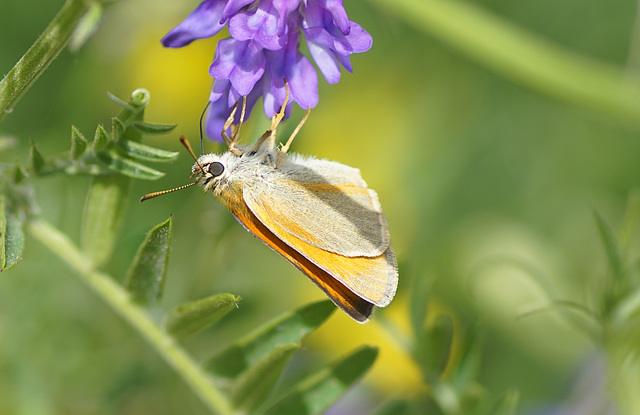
(433, 347)
(103, 213)
(315, 394)
(36, 161)
(288, 328)
(195, 316)
(11, 236)
(254, 385)
(145, 278)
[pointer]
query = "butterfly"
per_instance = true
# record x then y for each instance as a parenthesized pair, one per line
(318, 214)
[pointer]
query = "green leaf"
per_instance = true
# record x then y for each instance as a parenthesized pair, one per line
(128, 167)
(86, 27)
(146, 275)
(631, 218)
(36, 161)
(121, 102)
(100, 139)
(471, 353)
(133, 112)
(117, 129)
(195, 316)
(253, 387)
(434, 347)
(290, 327)
(13, 242)
(421, 287)
(143, 152)
(103, 214)
(18, 174)
(11, 237)
(610, 246)
(154, 129)
(78, 143)
(507, 403)
(315, 394)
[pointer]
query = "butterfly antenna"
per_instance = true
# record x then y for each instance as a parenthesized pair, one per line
(164, 192)
(185, 143)
(201, 119)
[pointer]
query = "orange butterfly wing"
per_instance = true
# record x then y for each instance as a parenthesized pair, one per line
(371, 275)
(356, 307)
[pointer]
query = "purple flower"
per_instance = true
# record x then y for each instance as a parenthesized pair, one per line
(263, 51)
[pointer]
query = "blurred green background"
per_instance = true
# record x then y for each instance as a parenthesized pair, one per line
(469, 167)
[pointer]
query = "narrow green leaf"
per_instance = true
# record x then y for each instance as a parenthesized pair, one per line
(13, 242)
(253, 387)
(421, 287)
(610, 246)
(78, 143)
(195, 316)
(507, 403)
(290, 327)
(631, 218)
(18, 174)
(86, 26)
(315, 394)
(103, 214)
(146, 275)
(11, 236)
(472, 350)
(128, 167)
(143, 152)
(117, 129)
(36, 161)
(434, 347)
(154, 129)
(100, 139)
(133, 112)
(121, 102)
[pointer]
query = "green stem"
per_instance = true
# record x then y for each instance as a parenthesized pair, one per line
(525, 58)
(40, 55)
(115, 296)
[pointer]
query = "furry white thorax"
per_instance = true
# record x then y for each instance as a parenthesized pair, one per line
(250, 164)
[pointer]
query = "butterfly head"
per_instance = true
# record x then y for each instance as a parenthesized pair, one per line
(209, 170)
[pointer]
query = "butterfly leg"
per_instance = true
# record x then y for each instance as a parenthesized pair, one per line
(295, 132)
(227, 124)
(275, 121)
(235, 132)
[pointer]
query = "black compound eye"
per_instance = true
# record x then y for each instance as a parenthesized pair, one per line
(216, 168)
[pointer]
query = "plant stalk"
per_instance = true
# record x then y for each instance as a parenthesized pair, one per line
(40, 55)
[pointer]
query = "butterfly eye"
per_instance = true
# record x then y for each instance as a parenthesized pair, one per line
(216, 168)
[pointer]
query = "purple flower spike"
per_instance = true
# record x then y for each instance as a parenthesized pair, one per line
(263, 51)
